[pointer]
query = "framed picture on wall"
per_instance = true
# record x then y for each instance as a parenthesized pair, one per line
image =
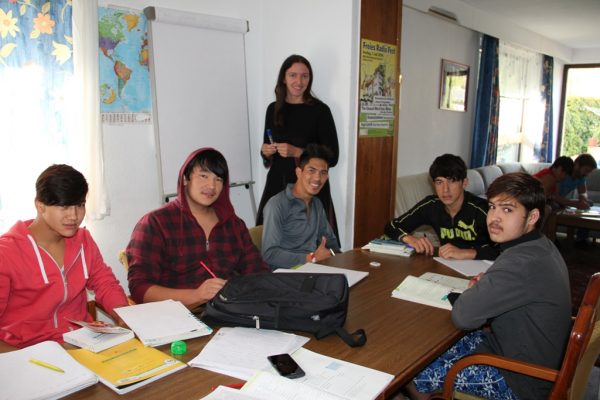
(454, 86)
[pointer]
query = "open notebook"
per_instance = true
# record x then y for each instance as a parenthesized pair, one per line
(162, 322)
(23, 379)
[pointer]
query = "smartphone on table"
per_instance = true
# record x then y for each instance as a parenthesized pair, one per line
(286, 366)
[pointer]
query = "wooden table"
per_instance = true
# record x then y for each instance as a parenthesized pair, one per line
(570, 220)
(402, 337)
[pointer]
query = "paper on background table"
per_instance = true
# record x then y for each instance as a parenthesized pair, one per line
(162, 322)
(352, 276)
(240, 352)
(466, 267)
(36, 382)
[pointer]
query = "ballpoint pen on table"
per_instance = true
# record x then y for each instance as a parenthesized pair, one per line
(208, 269)
(46, 365)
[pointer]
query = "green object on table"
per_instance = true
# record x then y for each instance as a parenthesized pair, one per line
(178, 348)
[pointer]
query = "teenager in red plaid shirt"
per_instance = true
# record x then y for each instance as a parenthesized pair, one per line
(188, 248)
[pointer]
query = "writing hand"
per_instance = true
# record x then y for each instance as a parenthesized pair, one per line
(420, 244)
(288, 150)
(209, 288)
(268, 149)
(449, 251)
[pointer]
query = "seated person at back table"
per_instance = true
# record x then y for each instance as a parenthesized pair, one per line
(523, 299)
(48, 264)
(457, 216)
(295, 228)
(583, 165)
(553, 175)
(186, 249)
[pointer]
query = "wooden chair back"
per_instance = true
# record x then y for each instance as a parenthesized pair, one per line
(256, 235)
(582, 350)
(583, 329)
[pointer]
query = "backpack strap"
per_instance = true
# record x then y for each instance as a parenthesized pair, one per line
(355, 339)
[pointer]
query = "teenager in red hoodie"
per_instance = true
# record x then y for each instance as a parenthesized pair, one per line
(48, 264)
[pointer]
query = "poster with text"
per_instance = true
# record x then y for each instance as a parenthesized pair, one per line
(377, 88)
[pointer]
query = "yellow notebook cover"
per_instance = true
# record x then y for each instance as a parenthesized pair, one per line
(128, 365)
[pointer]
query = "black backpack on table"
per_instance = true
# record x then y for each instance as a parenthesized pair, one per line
(307, 302)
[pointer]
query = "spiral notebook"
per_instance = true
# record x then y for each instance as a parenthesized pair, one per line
(162, 322)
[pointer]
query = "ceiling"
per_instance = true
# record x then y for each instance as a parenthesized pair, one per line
(572, 23)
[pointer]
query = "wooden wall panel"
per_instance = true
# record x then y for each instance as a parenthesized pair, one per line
(376, 157)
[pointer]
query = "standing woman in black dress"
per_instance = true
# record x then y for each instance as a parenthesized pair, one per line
(294, 120)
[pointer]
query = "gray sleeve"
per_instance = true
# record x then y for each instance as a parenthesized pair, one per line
(499, 290)
(326, 230)
(273, 254)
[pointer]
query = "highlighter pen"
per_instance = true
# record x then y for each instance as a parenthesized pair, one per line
(208, 269)
(46, 365)
(270, 135)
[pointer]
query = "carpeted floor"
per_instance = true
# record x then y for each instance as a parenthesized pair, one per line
(582, 264)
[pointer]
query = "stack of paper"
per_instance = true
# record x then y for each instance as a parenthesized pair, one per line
(24, 375)
(240, 352)
(351, 275)
(393, 247)
(128, 366)
(430, 289)
(162, 322)
(326, 378)
(97, 336)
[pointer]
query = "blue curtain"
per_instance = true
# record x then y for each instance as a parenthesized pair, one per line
(546, 147)
(487, 106)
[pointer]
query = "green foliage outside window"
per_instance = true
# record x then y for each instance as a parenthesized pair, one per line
(582, 122)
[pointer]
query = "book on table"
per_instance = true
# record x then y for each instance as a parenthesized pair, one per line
(97, 336)
(128, 366)
(430, 289)
(42, 371)
(162, 322)
(389, 246)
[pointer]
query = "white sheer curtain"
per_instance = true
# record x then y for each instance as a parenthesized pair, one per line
(521, 119)
(85, 60)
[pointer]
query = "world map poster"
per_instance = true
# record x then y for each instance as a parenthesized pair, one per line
(123, 66)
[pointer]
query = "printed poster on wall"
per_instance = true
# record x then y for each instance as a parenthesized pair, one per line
(123, 66)
(377, 88)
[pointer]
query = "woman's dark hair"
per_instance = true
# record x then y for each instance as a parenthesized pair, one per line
(61, 185)
(523, 187)
(448, 166)
(209, 160)
(281, 89)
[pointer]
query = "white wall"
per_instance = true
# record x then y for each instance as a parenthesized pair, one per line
(425, 131)
(278, 28)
